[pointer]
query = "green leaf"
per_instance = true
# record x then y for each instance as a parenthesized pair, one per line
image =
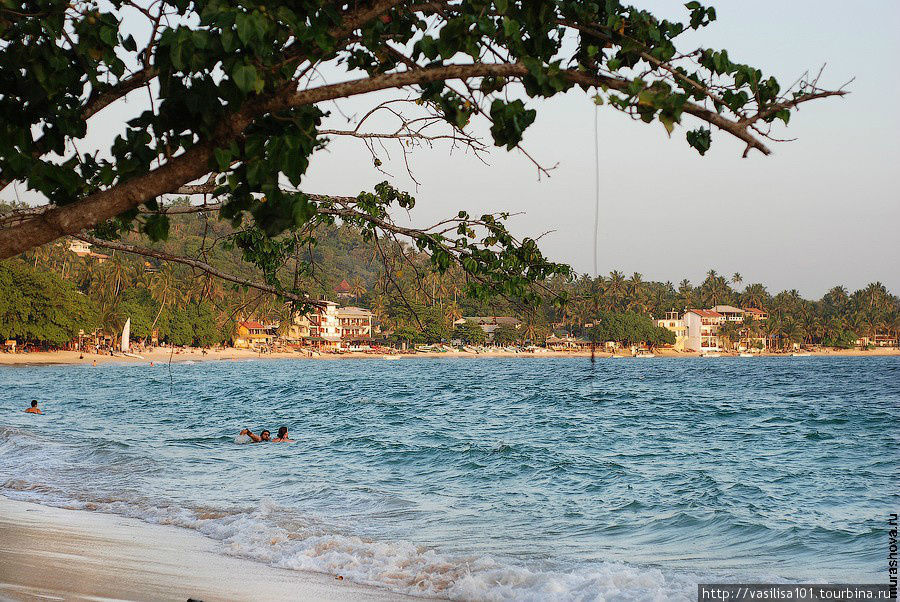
(700, 139)
(245, 78)
(156, 227)
(129, 44)
(223, 158)
(668, 122)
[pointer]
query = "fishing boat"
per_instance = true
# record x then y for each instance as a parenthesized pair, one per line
(645, 354)
(801, 354)
(710, 354)
(745, 354)
(390, 357)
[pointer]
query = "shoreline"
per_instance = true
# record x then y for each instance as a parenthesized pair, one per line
(48, 552)
(161, 357)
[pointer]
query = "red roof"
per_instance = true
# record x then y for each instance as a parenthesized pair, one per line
(753, 310)
(707, 313)
(343, 287)
(251, 325)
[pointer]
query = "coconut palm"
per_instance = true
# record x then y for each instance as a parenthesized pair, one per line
(685, 294)
(453, 312)
(755, 295)
(615, 289)
(358, 288)
(163, 289)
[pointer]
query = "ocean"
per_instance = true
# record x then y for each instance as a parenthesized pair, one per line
(485, 479)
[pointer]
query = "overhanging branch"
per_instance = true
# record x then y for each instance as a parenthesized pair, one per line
(194, 263)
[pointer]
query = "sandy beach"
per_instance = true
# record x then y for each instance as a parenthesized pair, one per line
(161, 356)
(51, 553)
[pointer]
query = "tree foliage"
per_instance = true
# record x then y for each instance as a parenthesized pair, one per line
(40, 307)
(630, 328)
(235, 112)
(469, 333)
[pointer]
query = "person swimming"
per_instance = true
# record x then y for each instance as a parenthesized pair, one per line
(282, 436)
(248, 436)
(33, 409)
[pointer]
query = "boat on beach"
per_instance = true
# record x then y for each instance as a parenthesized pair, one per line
(745, 354)
(710, 354)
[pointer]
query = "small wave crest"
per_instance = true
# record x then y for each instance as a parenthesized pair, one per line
(273, 535)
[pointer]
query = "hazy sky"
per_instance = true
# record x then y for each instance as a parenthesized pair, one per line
(820, 211)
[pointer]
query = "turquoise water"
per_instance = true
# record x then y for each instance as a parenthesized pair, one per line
(485, 478)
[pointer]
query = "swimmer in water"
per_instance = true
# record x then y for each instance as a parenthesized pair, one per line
(263, 437)
(33, 409)
(282, 436)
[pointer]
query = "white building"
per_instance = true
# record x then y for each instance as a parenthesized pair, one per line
(355, 324)
(703, 329)
(324, 328)
(731, 313)
(79, 247)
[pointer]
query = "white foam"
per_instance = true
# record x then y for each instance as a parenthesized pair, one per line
(276, 536)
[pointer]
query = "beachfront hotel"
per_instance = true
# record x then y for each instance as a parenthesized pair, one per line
(703, 329)
(329, 327)
(355, 325)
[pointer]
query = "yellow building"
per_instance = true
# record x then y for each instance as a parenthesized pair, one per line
(252, 335)
(673, 323)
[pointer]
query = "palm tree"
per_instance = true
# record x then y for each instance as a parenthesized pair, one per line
(634, 291)
(358, 288)
(615, 289)
(685, 293)
(453, 312)
(755, 295)
(163, 289)
(736, 278)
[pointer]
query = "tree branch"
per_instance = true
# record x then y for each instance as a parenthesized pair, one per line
(195, 162)
(205, 267)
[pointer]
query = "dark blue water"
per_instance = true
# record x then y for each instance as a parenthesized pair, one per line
(485, 478)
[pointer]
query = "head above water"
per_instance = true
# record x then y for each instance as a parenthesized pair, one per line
(34, 403)
(282, 432)
(265, 435)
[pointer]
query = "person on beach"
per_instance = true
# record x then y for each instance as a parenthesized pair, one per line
(33, 409)
(282, 436)
(263, 437)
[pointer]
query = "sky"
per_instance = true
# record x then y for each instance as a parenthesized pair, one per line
(819, 211)
(822, 210)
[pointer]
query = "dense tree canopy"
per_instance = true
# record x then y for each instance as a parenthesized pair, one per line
(629, 328)
(40, 307)
(234, 107)
(415, 305)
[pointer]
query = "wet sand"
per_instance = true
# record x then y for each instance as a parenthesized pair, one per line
(58, 554)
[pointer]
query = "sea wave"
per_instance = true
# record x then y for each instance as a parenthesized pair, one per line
(274, 535)
(481, 480)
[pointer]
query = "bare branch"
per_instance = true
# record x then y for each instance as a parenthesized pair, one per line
(205, 267)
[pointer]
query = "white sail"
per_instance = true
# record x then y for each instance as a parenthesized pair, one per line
(126, 336)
